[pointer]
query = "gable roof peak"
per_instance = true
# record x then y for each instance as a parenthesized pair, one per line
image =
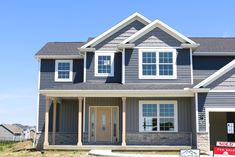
(158, 23)
(117, 27)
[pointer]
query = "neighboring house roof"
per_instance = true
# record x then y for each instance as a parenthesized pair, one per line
(116, 28)
(60, 49)
(158, 24)
(13, 129)
(215, 44)
(216, 75)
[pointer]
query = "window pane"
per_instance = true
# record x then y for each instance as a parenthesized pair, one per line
(147, 124)
(103, 121)
(104, 64)
(149, 110)
(149, 63)
(149, 69)
(166, 69)
(63, 74)
(149, 57)
(165, 57)
(167, 110)
(92, 123)
(154, 124)
(167, 124)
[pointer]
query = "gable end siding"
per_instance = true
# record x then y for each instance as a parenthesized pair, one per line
(111, 42)
(225, 82)
(132, 68)
(157, 38)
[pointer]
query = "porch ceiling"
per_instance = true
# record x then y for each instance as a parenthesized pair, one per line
(119, 90)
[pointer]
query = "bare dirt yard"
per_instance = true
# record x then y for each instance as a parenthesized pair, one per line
(24, 149)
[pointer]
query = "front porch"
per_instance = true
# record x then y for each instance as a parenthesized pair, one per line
(58, 116)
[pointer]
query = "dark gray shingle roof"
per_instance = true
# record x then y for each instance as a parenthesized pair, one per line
(60, 48)
(207, 44)
(215, 44)
(118, 86)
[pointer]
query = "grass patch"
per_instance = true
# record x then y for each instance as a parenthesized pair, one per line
(6, 145)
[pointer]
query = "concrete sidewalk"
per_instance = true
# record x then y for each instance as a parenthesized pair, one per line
(116, 154)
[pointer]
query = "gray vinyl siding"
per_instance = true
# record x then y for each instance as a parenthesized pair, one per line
(183, 68)
(225, 82)
(216, 100)
(41, 112)
(111, 42)
(90, 69)
(47, 76)
(204, 66)
(157, 38)
(184, 113)
(213, 100)
(66, 117)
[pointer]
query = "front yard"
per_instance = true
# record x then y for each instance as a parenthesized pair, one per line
(20, 149)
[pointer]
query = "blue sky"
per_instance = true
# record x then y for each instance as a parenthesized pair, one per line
(26, 25)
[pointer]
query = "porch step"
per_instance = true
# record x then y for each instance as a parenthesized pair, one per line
(113, 154)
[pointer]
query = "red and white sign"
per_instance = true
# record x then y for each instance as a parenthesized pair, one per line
(225, 144)
(224, 152)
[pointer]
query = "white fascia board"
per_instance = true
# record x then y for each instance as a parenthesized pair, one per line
(86, 49)
(38, 57)
(125, 46)
(213, 53)
(117, 93)
(117, 27)
(164, 27)
(216, 75)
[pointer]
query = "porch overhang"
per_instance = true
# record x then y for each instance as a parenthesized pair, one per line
(117, 93)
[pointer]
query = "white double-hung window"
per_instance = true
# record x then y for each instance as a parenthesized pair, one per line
(104, 64)
(157, 64)
(158, 116)
(63, 70)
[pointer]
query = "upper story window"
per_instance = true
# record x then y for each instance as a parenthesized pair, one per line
(104, 65)
(158, 116)
(157, 64)
(63, 70)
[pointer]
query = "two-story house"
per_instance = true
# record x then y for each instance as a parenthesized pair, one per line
(140, 83)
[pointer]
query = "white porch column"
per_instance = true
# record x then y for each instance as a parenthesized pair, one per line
(54, 120)
(123, 121)
(46, 143)
(79, 121)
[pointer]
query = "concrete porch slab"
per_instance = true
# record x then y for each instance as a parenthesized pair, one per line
(116, 148)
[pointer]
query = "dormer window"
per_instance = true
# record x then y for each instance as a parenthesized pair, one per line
(63, 70)
(157, 64)
(104, 65)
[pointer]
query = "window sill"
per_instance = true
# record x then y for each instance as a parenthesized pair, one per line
(157, 78)
(58, 80)
(104, 75)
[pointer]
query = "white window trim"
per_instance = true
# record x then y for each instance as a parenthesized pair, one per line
(158, 112)
(141, 76)
(70, 79)
(112, 64)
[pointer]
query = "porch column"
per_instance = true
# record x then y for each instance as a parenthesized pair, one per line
(46, 143)
(123, 121)
(54, 120)
(79, 121)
